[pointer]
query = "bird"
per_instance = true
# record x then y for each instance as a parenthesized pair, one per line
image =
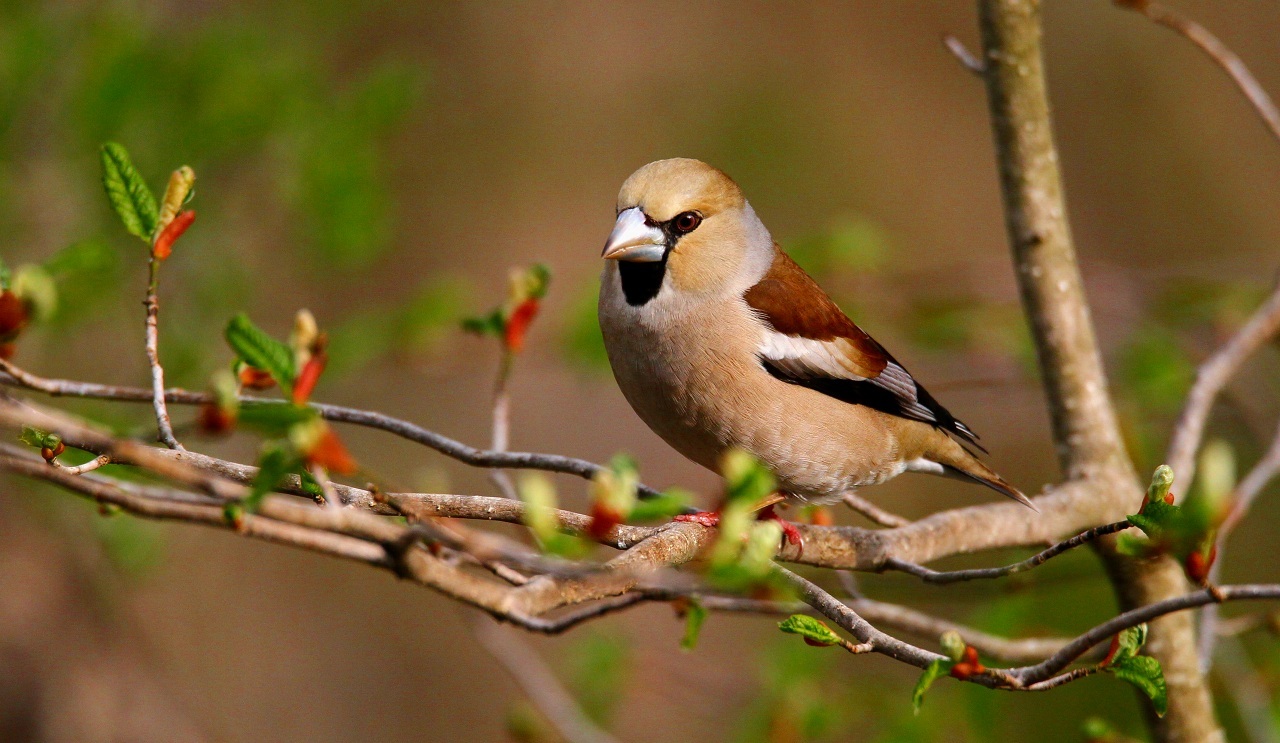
(719, 340)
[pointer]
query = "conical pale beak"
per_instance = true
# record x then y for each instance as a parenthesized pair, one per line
(633, 240)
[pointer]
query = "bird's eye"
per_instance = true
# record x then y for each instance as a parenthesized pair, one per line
(686, 222)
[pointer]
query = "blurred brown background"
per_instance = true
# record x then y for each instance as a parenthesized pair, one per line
(386, 166)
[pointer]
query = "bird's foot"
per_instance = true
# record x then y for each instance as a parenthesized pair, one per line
(709, 519)
(789, 531)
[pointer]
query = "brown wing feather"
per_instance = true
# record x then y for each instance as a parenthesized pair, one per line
(793, 304)
(817, 317)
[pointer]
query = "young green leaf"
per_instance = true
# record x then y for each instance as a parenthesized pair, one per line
(694, 616)
(1144, 672)
(953, 645)
(938, 668)
(34, 437)
(257, 349)
(6, 276)
(494, 323)
(662, 507)
(1129, 642)
(1161, 482)
(34, 286)
(812, 630)
(275, 419)
(274, 464)
(128, 192)
(745, 478)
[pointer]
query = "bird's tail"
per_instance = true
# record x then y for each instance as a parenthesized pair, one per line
(957, 462)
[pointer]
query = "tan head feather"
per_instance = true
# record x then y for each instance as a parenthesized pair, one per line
(730, 235)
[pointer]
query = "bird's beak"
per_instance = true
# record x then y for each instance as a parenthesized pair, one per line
(633, 240)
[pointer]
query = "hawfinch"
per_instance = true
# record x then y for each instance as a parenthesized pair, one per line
(719, 340)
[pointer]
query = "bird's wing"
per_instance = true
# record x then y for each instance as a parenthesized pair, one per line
(809, 341)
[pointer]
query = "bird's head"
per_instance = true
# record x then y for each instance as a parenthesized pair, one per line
(689, 216)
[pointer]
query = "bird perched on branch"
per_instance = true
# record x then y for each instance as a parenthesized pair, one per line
(719, 340)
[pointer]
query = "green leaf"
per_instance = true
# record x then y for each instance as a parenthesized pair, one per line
(1156, 518)
(274, 419)
(1144, 672)
(128, 192)
(746, 479)
(812, 630)
(34, 286)
(32, 436)
(274, 464)
(661, 507)
(937, 669)
(694, 616)
(309, 484)
(6, 276)
(494, 323)
(538, 278)
(1130, 642)
(1161, 482)
(953, 645)
(256, 348)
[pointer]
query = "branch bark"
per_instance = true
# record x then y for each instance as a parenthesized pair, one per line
(1085, 427)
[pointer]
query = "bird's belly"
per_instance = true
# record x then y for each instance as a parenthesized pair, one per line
(707, 403)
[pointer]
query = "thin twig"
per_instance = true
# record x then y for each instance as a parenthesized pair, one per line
(163, 425)
(873, 512)
(502, 422)
(1211, 377)
(964, 56)
(80, 469)
(539, 684)
(955, 576)
(1219, 52)
(1242, 498)
(339, 414)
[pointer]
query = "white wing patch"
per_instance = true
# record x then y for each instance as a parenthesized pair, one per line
(807, 358)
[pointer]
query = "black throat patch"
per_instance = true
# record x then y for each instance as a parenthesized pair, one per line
(641, 281)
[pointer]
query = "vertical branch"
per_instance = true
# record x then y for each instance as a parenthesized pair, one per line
(152, 303)
(1084, 422)
(502, 422)
(1085, 427)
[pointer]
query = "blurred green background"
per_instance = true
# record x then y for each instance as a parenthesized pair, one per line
(386, 164)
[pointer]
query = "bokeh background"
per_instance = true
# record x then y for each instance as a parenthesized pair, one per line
(385, 164)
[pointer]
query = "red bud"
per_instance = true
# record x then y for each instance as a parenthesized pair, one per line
(1168, 498)
(821, 516)
(307, 378)
(255, 378)
(518, 324)
(172, 231)
(13, 316)
(970, 655)
(330, 453)
(1111, 651)
(214, 420)
(1197, 565)
(963, 671)
(603, 519)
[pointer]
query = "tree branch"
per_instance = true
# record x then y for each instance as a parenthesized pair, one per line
(539, 684)
(1211, 377)
(1219, 52)
(1084, 422)
(1036, 560)
(449, 447)
(164, 426)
